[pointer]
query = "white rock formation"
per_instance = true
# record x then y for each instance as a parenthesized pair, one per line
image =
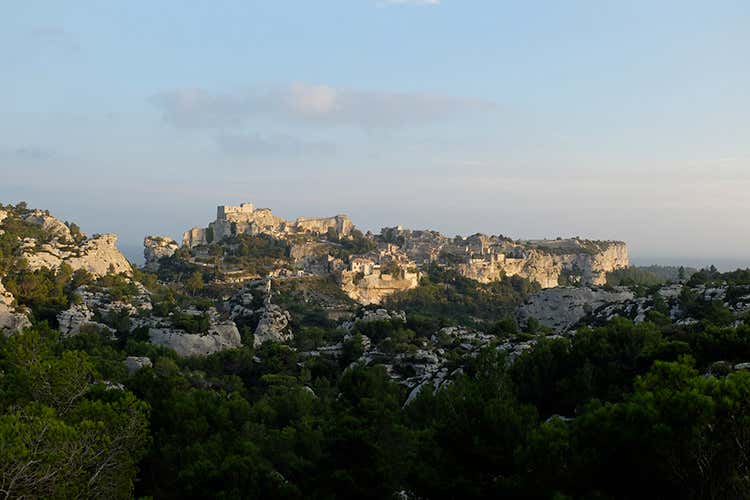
(72, 319)
(51, 225)
(157, 247)
(273, 326)
(561, 308)
(374, 287)
(221, 336)
(98, 255)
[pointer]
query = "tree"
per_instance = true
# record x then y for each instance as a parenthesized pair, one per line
(194, 283)
(61, 437)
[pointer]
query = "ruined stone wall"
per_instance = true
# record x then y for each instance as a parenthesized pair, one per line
(226, 212)
(340, 223)
(194, 237)
(375, 287)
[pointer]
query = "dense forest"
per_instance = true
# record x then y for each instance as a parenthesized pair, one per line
(620, 411)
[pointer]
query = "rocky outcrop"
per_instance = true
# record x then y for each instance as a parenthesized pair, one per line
(487, 258)
(98, 255)
(562, 308)
(545, 268)
(11, 319)
(273, 326)
(156, 248)
(50, 225)
(341, 225)
(221, 335)
(55, 243)
(71, 320)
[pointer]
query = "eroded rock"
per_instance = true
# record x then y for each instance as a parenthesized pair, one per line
(156, 248)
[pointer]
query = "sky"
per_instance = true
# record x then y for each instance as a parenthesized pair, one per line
(600, 119)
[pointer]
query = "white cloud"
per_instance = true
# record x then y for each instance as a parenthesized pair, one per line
(312, 99)
(303, 103)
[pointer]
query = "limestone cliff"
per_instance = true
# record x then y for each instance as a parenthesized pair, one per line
(562, 308)
(374, 287)
(547, 269)
(54, 243)
(98, 255)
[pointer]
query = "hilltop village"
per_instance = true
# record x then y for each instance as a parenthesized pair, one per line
(370, 267)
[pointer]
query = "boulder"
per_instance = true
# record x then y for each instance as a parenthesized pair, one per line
(221, 335)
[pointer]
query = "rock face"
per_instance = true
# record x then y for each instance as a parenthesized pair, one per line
(11, 320)
(58, 244)
(562, 308)
(487, 258)
(340, 224)
(220, 337)
(51, 225)
(157, 247)
(585, 268)
(98, 255)
(273, 326)
(74, 318)
(246, 219)
(374, 287)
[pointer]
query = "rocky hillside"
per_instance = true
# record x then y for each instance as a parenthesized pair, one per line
(370, 267)
(43, 241)
(32, 243)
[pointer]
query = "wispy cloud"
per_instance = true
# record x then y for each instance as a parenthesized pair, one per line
(312, 104)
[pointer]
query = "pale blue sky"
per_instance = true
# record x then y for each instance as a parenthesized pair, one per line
(607, 119)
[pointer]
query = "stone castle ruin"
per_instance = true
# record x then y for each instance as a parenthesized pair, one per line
(246, 219)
